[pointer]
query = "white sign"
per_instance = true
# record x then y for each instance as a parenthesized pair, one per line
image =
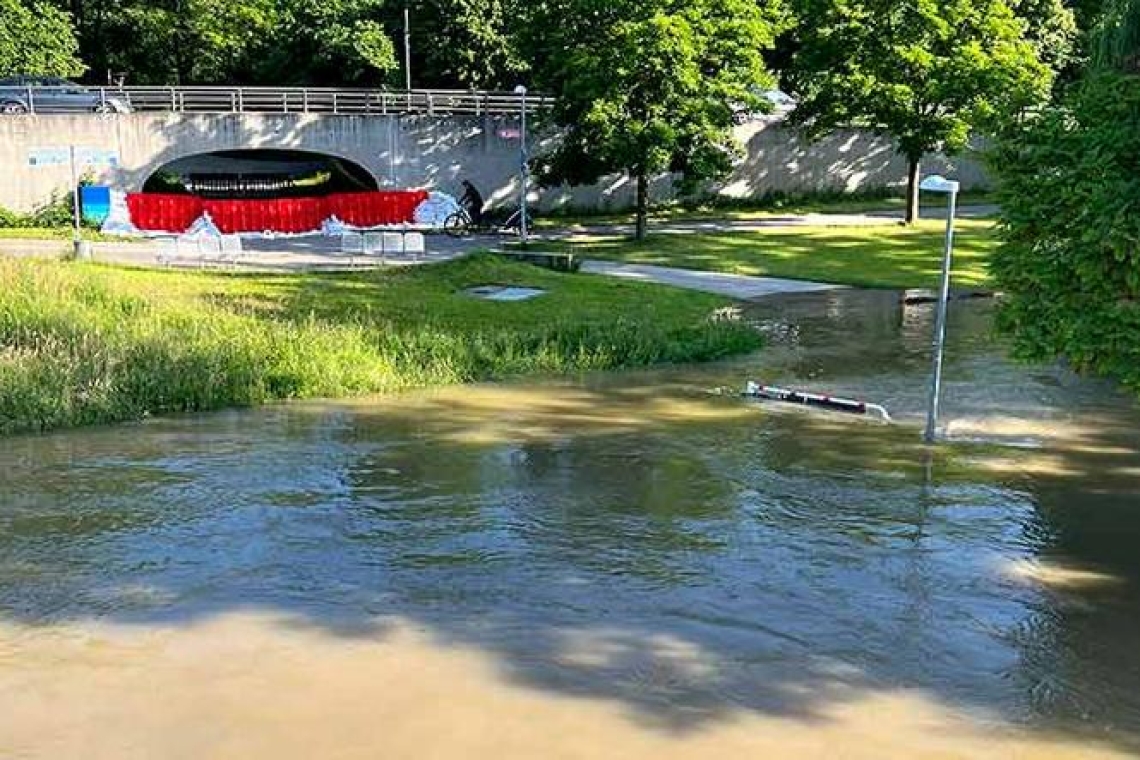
(61, 156)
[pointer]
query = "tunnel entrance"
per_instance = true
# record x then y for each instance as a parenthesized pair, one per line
(260, 174)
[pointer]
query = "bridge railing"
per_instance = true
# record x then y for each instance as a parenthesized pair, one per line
(318, 100)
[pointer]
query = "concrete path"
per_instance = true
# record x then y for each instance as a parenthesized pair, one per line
(738, 286)
(284, 254)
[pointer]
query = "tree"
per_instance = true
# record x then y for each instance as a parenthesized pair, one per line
(37, 39)
(927, 73)
(333, 42)
(466, 43)
(1051, 27)
(652, 88)
(1117, 38)
(1070, 260)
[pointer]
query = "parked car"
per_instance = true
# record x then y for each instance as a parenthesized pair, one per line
(29, 94)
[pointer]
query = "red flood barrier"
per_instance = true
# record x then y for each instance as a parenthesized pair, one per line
(163, 213)
(175, 213)
(377, 208)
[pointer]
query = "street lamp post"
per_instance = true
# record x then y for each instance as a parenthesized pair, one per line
(524, 169)
(407, 48)
(939, 184)
(78, 247)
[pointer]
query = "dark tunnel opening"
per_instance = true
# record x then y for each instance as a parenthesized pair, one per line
(260, 174)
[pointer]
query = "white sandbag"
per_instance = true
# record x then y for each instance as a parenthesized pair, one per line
(118, 221)
(434, 211)
(333, 226)
(204, 226)
(414, 243)
(393, 243)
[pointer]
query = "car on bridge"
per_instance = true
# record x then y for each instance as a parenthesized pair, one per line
(29, 94)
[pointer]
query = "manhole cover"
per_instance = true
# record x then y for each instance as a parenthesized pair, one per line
(504, 293)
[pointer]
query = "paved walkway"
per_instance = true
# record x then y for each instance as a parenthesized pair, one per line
(283, 254)
(738, 286)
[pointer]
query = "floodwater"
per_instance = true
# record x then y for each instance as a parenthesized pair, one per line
(618, 567)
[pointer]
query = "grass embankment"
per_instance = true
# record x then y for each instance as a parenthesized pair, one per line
(84, 344)
(881, 256)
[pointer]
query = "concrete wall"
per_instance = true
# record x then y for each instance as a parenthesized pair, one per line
(428, 152)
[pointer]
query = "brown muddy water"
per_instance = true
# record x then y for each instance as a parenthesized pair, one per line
(623, 566)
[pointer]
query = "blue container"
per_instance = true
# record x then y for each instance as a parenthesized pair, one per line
(95, 203)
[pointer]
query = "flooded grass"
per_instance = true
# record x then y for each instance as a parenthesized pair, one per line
(86, 344)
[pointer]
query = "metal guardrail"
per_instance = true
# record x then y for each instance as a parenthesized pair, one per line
(303, 100)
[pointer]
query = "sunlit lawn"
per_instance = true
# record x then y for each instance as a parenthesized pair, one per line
(887, 256)
(932, 205)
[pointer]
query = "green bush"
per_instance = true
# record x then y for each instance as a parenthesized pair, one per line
(1069, 187)
(55, 214)
(58, 212)
(10, 219)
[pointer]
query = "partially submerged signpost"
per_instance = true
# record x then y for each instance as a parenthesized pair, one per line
(939, 184)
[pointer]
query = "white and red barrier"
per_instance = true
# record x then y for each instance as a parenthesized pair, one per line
(155, 212)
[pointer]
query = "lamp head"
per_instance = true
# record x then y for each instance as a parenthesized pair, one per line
(936, 183)
(520, 90)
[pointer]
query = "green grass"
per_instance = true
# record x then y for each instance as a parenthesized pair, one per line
(747, 210)
(84, 344)
(62, 233)
(881, 256)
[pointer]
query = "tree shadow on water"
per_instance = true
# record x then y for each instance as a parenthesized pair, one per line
(666, 552)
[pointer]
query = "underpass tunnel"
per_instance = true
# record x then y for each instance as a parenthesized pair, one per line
(260, 174)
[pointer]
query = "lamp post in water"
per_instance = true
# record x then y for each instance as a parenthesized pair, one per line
(939, 184)
(524, 168)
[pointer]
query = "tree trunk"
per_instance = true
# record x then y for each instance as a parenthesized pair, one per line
(914, 170)
(642, 207)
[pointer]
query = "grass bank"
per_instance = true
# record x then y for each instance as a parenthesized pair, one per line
(62, 233)
(763, 208)
(880, 256)
(84, 344)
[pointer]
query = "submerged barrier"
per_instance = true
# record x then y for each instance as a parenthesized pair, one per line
(754, 390)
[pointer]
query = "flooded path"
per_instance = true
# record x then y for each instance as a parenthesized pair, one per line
(625, 566)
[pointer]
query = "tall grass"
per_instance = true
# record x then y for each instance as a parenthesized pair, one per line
(83, 344)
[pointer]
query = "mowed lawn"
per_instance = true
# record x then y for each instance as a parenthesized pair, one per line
(881, 256)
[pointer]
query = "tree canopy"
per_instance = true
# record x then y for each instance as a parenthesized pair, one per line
(652, 88)
(38, 39)
(1070, 259)
(927, 73)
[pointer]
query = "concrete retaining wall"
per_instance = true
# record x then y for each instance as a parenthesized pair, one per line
(428, 152)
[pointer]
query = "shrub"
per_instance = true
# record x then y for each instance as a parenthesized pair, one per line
(1069, 186)
(9, 219)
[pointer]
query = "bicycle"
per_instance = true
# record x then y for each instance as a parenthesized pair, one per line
(459, 224)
